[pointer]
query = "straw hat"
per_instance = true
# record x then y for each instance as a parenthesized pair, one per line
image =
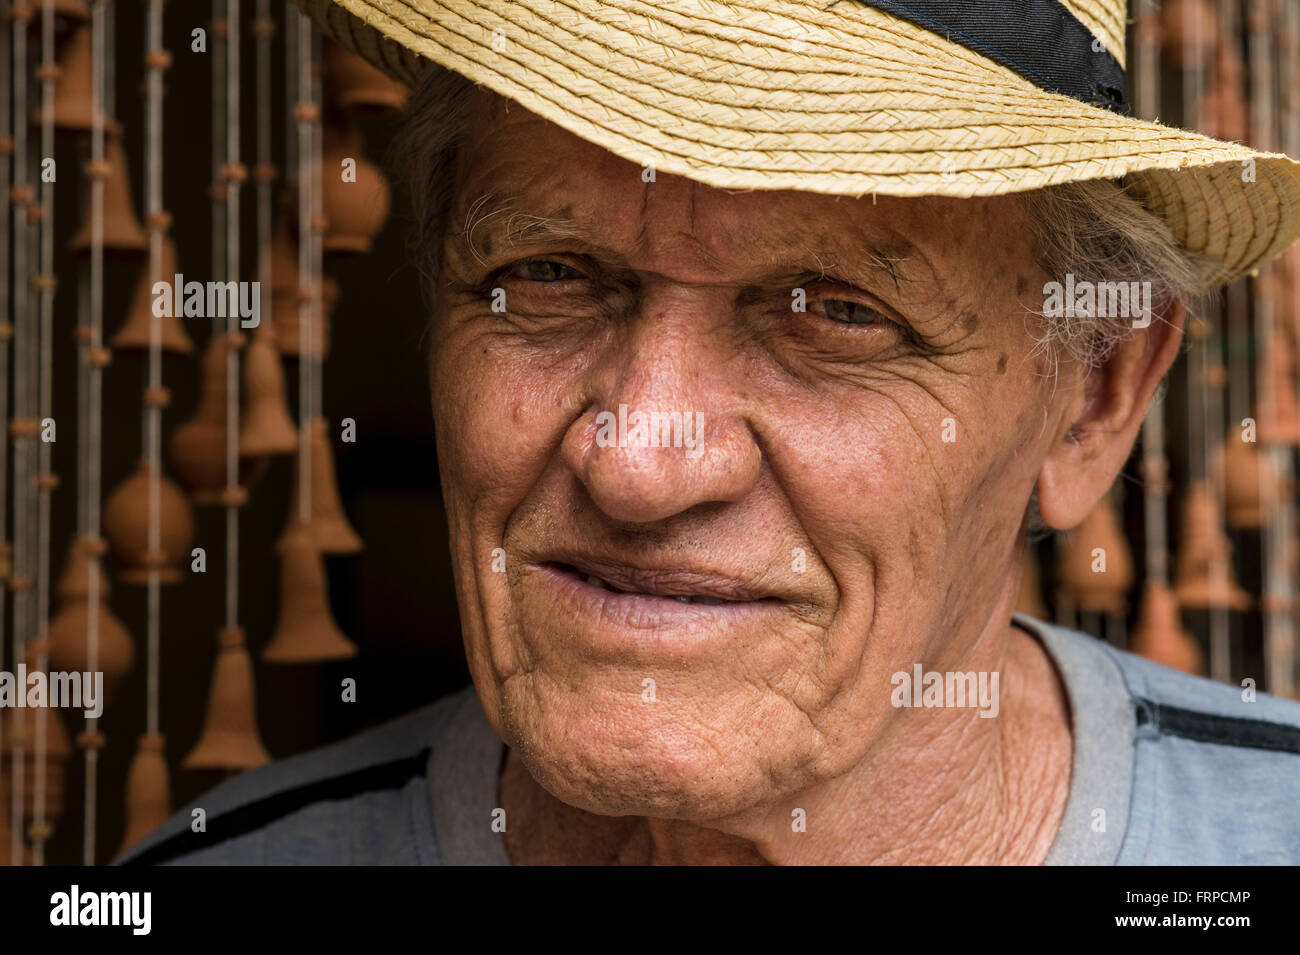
(923, 97)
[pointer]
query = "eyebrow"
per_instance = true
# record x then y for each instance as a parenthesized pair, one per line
(491, 208)
(493, 213)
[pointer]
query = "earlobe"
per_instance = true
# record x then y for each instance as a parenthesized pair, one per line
(1104, 413)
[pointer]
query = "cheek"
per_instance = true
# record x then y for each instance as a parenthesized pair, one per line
(901, 491)
(864, 472)
(497, 421)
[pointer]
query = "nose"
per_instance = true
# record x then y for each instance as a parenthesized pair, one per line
(666, 428)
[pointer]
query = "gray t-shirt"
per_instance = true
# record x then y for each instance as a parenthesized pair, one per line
(1168, 769)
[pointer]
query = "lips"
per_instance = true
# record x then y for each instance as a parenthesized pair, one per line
(685, 585)
(594, 581)
(621, 614)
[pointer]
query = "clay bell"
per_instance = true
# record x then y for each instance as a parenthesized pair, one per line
(1160, 635)
(230, 739)
(288, 293)
(1191, 32)
(328, 522)
(1249, 481)
(1223, 111)
(306, 632)
(1204, 573)
(72, 86)
(126, 525)
(148, 790)
(1096, 570)
(355, 211)
(1279, 415)
(1030, 600)
(287, 303)
(355, 84)
(266, 427)
(122, 230)
(68, 638)
(20, 724)
(136, 330)
(198, 447)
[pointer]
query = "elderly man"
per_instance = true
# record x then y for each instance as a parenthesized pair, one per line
(748, 382)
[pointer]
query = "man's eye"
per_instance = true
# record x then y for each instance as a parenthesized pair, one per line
(545, 270)
(850, 313)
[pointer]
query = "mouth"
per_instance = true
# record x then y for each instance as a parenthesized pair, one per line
(643, 615)
(673, 584)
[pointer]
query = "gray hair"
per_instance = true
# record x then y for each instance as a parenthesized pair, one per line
(423, 156)
(1095, 230)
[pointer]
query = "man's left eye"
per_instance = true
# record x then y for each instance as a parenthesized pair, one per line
(850, 313)
(546, 270)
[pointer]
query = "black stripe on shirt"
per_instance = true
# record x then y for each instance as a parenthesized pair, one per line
(262, 812)
(1223, 730)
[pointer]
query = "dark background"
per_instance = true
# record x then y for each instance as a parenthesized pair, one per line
(396, 599)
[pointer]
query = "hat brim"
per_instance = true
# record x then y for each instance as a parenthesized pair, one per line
(779, 94)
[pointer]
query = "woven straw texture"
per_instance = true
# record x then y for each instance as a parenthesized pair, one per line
(840, 99)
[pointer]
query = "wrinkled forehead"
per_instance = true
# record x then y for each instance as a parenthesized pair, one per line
(520, 177)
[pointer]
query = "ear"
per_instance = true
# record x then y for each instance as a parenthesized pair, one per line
(1102, 417)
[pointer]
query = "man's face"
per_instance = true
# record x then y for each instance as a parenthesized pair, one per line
(868, 420)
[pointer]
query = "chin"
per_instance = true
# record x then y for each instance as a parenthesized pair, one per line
(616, 755)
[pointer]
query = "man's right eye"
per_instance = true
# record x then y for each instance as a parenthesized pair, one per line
(544, 270)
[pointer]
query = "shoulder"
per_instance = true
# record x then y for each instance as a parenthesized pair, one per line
(1218, 770)
(363, 800)
(1216, 766)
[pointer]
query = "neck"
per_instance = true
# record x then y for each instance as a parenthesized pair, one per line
(941, 786)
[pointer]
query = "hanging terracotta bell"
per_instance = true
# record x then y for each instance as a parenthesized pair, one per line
(328, 521)
(1273, 600)
(198, 447)
(288, 321)
(1204, 576)
(126, 525)
(1096, 570)
(1249, 481)
(354, 210)
(21, 724)
(1223, 110)
(74, 582)
(277, 270)
(230, 739)
(122, 230)
(148, 790)
(72, 86)
(355, 84)
(1191, 32)
(288, 293)
(136, 330)
(306, 632)
(1278, 415)
(1160, 635)
(68, 638)
(1030, 600)
(266, 427)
